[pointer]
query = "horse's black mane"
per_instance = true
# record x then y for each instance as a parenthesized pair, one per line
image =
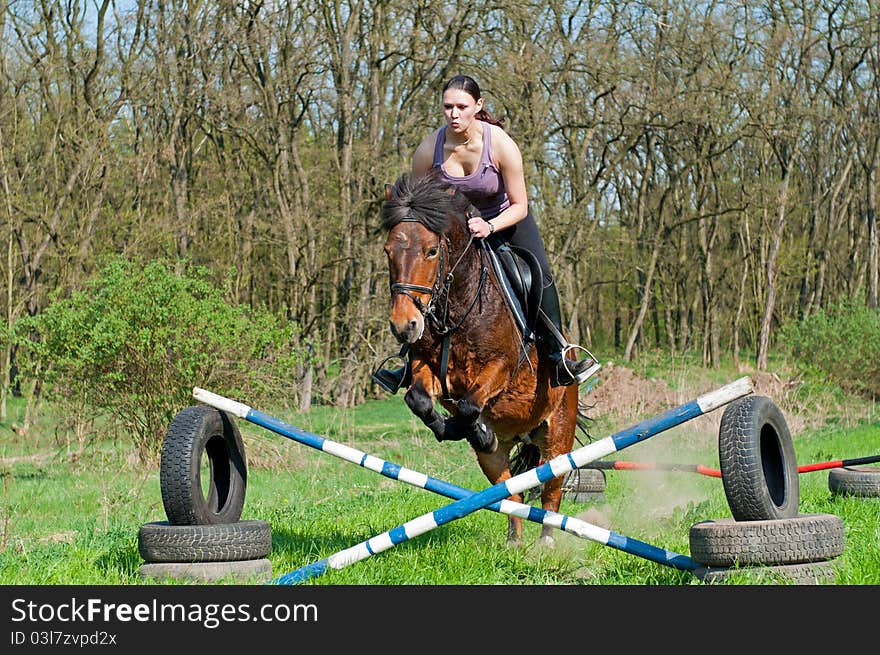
(427, 199)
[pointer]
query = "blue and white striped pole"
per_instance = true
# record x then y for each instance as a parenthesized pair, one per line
(563, 522)
(556, 467)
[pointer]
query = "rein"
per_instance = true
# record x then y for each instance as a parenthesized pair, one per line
(442, 286)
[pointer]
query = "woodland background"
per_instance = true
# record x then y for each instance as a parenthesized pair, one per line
(702, 172)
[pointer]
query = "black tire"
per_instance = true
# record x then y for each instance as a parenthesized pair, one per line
(584, 480)
(584, 485)
(580, 485)
(806, 573)
(584, 497)
(758, 464)
(804, 538)
(855, 481)
(243, 540)
(254, 571)
(197, 432)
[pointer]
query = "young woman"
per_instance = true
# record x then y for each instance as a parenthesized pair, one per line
(473, 153)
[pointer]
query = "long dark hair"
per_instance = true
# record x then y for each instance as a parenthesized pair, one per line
(469, 85)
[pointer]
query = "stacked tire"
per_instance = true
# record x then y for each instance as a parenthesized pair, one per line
(584, 485)
(204, 539)
(767, 540)
(860, 481)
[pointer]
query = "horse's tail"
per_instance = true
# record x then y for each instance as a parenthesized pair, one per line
(583, 420)
(527, 456)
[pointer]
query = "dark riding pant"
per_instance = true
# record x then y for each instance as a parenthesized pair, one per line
(526, 235)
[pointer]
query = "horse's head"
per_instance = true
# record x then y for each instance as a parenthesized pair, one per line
(417, 214)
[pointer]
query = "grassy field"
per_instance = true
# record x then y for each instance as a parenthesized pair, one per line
(71, 516)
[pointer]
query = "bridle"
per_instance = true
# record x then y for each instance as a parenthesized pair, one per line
(406, 288)
(441, 288)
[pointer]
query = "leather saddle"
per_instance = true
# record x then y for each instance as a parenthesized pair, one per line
(522, 283)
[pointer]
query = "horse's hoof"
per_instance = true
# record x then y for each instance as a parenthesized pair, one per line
(446, 429)
(487, 448)
(483, 439)
(547, 542)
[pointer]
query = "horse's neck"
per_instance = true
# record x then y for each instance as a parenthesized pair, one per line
(464, 260)
(471, 274)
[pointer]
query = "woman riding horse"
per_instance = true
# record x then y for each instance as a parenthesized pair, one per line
(466, 349)
(473, 153)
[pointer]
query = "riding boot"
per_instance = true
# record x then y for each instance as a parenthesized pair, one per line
(392, 378)
(549, 334)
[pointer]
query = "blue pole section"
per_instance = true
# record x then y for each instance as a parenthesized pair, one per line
(554, 468)
(563, 522)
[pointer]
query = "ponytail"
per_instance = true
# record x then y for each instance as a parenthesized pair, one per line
(484, 115)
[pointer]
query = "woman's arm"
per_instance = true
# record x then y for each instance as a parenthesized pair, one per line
(508, 159)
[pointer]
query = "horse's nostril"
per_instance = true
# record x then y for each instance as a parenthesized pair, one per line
(414, 324)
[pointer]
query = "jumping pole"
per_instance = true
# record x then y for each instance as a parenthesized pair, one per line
(563, 522)
(621, 465)
(556, 467)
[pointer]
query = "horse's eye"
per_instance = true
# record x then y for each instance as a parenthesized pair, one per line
(432, 252)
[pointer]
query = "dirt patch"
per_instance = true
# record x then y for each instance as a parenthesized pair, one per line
(624, 398)
(621, 394)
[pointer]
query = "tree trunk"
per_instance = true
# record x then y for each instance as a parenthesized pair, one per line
(772, 258)
(871, 205)
(646, 293)
(745, 243)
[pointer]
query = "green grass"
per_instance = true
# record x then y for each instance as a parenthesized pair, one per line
(68, 519)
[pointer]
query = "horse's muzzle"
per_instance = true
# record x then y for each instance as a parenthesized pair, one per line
(408, 330)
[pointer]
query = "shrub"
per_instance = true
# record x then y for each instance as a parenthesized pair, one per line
(138, 338)
(841, 344)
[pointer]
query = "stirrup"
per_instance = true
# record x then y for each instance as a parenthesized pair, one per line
(570, 371)
(391, 379)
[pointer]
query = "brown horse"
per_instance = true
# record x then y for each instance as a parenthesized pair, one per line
(466, 350)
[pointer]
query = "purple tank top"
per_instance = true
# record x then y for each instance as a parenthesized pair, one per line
(485, 186)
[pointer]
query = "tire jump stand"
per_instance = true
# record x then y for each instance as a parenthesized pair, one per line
(767, 540)
(203, 477)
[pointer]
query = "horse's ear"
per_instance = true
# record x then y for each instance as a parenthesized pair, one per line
(387, 192)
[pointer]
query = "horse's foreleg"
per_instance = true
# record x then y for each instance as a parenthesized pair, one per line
(421, 403)
(466, 424)
(496, 468)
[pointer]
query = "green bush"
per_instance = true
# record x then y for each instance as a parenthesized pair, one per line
(841, 344)
(133, 344)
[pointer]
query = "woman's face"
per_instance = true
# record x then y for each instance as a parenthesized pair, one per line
(459, 108)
